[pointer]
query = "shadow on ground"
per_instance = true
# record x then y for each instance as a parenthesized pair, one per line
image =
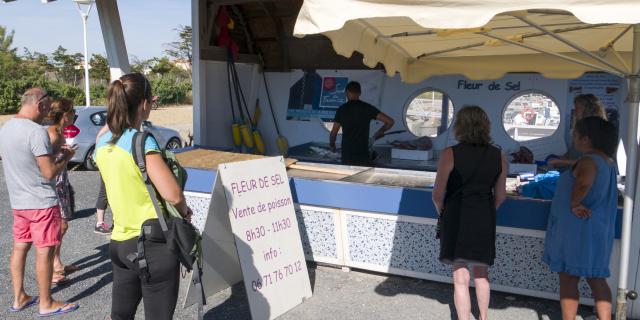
(98, 265)
(443, 293)
(236, 307)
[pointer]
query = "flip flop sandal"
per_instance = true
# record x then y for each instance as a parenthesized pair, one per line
(67, 270)
(71, 269)
(60, 310)
(32, 302)
(61, 281)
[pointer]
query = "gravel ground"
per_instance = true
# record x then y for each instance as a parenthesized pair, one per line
(337, 295)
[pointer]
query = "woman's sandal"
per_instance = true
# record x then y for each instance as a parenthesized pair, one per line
(31, 302)
(66, 308)
(67, 270)
(61, 280)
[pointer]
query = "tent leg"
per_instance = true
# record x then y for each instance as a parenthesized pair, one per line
(630, 184)
(113, 38)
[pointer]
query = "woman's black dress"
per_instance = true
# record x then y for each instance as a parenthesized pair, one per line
(468, 233)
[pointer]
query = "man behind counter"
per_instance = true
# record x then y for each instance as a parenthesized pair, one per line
(354, 117)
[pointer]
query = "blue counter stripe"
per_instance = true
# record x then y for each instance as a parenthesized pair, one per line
(514, 213)
(200, 180)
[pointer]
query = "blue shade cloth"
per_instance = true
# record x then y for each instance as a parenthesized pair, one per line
(543, 186)
(582, 247)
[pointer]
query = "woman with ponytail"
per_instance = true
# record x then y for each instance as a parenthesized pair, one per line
(129, 104)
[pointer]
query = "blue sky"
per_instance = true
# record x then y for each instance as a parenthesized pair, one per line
(147, 25)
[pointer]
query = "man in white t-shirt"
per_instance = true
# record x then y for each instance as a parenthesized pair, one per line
(30, 170)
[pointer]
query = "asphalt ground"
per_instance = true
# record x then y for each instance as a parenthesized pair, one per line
(336, 294)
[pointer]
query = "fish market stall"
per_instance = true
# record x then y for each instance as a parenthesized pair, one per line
(383, 220)
(521, 63)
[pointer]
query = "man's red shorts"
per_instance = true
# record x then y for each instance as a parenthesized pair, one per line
(40, 226)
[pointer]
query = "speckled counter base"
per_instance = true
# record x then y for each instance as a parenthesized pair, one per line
(407, 246)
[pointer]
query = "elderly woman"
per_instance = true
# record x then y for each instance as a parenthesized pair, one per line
(584, 105)
(581, 224)
(469, 187)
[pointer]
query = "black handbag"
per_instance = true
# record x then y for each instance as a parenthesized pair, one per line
(181, 236)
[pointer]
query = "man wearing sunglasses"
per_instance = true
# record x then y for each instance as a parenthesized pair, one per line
(30, 170)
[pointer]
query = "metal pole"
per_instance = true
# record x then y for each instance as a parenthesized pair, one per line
(570, 43)
(555, 54)
(87, 90)
(631, 179)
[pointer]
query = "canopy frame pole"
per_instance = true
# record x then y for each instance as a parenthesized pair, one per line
(427, 33)
(609, 47)
(619, 57)
(558, 55)
(113, 38)
(570, 44)
(612, 42)
(633, 100)
(525, 36)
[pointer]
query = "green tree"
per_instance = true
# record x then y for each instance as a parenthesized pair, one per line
(171, 91)
(162, 66)
(66, 65)
(183, 48)
(141, 66)
(6, 40)
(37, 60)
(99, 68)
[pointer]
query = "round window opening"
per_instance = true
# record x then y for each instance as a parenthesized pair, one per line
(531, 116)
(429, 114)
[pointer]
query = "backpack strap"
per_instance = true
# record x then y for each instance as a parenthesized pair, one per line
(137, 148)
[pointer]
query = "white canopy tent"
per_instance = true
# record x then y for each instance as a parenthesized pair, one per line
(484, 39)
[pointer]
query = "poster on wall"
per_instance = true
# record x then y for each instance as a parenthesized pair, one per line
(333, 92)
(317, 94)
(606, 87)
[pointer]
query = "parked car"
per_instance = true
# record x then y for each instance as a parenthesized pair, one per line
(90, 119)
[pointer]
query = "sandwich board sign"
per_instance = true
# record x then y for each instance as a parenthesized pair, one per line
(251, 234)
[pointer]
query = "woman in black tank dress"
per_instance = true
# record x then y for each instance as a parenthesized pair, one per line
(470, 186)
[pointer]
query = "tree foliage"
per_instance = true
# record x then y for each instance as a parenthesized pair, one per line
(68, 65)
(99, 68)
(6, 40)
(61, 74)
(183, 48)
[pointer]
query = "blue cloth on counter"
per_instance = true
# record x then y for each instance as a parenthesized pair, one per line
(543, 186)
(577, 246)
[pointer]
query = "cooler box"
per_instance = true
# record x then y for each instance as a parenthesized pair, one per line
(419, 155)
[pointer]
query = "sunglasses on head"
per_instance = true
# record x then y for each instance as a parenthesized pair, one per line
(43, 97)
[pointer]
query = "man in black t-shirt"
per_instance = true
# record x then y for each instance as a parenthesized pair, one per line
(355, 117)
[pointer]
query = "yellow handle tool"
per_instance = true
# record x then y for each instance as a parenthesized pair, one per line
(283, 145)
(246, 136)
(237, 138)
(256, 114)
(259, 142)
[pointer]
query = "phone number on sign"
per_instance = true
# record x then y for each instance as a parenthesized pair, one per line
(273, 277)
